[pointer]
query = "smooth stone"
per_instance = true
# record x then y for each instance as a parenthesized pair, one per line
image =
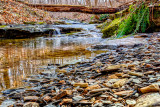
(7, 103)
(136, 81)
(50, 105)
(131, 102)
(106, 102)
(147, 100)
(77, 98)
(31, 104)
(31, 98)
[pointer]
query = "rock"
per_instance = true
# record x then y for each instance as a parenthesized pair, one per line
(113, 76)
(62, 71)
(110, 29)
(82, 85)
(62, 94)
(137, 81)
(31, 104)
(98, 90)
(31, 98)
(148, 100)
(135, 73)
(93, 87)
(111, 68)
(150, 88)
(131, 102)
(67, 100)
(124, 93)
(77, 98)
(106, 102)
(120, 83)
(7, 103)
(47, 98)
(125, 42)
(50, 105)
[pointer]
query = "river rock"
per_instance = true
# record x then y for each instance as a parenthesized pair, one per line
(31, 104)
(148, 100)
(124, 93)
(127, 42)
(77, 98)
(82, 85)
(150, 88)
(31, 98)
(131, 102)
(7, 103)
(120, 83)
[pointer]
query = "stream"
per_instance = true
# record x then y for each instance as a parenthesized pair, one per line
(20, 58)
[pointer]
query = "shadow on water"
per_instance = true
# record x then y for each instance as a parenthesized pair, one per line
(23, 57)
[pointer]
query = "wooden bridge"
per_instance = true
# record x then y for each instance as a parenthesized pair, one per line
(85, 6)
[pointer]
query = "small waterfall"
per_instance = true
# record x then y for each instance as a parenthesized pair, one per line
(57, 32)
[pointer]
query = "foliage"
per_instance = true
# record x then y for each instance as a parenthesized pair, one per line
(103, 17)
(137, 20)
(110, 29)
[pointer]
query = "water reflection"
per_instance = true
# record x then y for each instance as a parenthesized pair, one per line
(20, 58)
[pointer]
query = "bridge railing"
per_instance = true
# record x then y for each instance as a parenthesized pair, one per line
(90, 3)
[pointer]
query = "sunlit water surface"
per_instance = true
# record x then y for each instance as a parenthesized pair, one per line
(23, 57)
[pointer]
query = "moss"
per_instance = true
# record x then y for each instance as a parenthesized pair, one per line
(41, 23)
(110, 29)
(30, 23)
(3, 26)
(106, 23)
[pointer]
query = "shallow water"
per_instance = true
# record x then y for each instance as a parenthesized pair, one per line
(23, 57)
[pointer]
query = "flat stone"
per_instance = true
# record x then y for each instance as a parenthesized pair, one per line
(148, 100)
(135, 73)
(98, 90)
(31, 104)
(31, 98)
(127, 42)
(62, 94)
(77, 98)
(93, 87)
(120, 83)
(7, 103)
(82, 85)
(124, 93)
(131, 102)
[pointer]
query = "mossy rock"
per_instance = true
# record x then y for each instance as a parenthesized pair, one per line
(30, 23)
(41, 23)
(106, 23)
(110, 29)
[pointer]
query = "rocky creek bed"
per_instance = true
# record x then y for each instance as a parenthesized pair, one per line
(123, 76)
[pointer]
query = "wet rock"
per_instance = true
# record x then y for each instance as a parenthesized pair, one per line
(131, 102)
(124, 93)
(107, 102)
(62, 94)
(120, 83)
(98, 90)
(67, 100)
(148, 100)
(31, 98)
(126, 42)
(135, 73)
(47, 98)
(77, 98)
(82, 85)
(31, 104)
(111, 68)
(8, 103)
(150, 88)
(93, 87)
